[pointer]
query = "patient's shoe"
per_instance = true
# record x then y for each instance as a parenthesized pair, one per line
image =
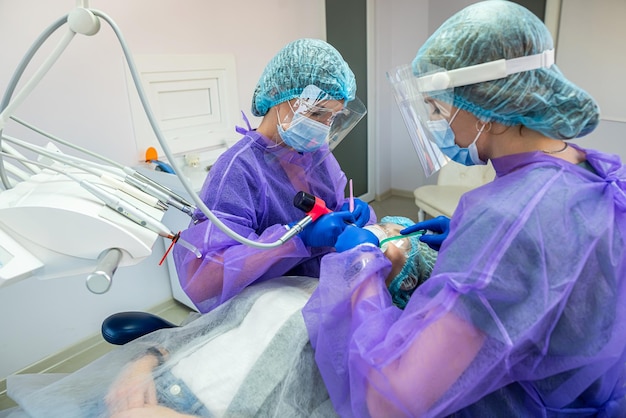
(123, 327)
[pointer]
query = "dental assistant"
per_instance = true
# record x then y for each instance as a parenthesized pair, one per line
(525, 310)
(307, 97)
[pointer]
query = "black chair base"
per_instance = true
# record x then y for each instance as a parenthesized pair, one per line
(123, 327)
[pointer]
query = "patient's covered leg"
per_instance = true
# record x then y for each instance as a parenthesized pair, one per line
(251, 356)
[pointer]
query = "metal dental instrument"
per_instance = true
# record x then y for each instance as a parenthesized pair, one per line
(106, 178)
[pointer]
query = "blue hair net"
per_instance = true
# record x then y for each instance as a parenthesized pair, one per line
(301, 63)
(420, 259)
(542, 99)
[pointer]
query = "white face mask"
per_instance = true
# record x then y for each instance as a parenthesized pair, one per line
(304, 134)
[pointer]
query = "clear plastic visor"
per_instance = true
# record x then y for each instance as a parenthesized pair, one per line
(323, 115)
(426, 98)
(420, 107)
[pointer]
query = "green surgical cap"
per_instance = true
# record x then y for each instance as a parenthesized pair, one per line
(542, 99)
(299, 64)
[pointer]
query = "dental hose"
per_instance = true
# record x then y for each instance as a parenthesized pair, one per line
(151, 119)
(123, 207)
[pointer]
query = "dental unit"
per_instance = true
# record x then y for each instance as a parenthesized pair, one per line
(63, 215)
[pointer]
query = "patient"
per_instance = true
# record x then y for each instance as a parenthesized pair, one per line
(249, 357)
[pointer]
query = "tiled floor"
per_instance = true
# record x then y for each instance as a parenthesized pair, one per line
(395, 206)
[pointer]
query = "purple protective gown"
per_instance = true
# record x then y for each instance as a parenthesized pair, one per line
(524, 313)
(251, 189)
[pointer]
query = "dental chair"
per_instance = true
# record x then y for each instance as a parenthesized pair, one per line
(122, 327)
(453, 181)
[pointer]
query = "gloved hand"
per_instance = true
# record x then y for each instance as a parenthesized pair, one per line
(353, 236)
(361, 212)
(324, 231)
(440, 225)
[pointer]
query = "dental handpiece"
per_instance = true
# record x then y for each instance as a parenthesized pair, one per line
(128, 210)
(148, 181)
(165, 197)
(313, 206)
(134, 192)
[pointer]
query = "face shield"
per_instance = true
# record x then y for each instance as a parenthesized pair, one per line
(422, 111)
(425, 99)
(317, 121)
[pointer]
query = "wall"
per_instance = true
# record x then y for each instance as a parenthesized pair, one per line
(401, 27)
(590, 52)
(84, 99)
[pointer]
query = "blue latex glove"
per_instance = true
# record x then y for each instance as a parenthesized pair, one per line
(353, 236)
(361, 212)
(324, 231)
(440, 225)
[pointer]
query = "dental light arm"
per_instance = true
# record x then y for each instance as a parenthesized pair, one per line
(15, 79)
(67, 143)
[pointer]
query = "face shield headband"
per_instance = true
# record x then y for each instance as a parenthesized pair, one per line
(425, 100)
(316, 120)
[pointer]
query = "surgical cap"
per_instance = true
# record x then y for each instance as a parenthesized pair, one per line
(419, 263)
(299, 64)
(542, 99)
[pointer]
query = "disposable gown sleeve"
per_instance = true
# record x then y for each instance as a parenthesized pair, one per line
(227, 266)
(507, 323)
(377, 360)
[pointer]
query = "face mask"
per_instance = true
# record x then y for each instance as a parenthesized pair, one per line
(444, 138)
(304, 134)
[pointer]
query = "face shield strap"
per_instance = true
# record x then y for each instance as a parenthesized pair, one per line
(487, 71)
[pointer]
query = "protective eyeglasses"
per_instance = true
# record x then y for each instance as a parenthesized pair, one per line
(318, 106)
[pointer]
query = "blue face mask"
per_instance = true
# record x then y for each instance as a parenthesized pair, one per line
(444, 138)
(304, 134)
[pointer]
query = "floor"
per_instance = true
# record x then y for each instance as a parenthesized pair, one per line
(395, 206)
